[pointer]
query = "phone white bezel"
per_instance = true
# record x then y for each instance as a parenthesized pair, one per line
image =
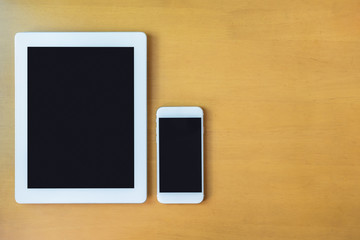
(180, 112)
(138, 194)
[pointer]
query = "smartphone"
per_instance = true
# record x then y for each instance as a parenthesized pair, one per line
(180, 155)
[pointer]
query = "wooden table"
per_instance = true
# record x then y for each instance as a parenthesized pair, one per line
(280, 84)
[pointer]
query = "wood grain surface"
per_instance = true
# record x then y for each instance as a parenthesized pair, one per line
(279, 82)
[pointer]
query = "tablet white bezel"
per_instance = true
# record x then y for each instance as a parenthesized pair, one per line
(137, 194)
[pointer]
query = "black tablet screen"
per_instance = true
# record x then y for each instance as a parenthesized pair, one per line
(80, 117)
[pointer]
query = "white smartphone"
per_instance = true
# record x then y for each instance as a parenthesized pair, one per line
(180, 155)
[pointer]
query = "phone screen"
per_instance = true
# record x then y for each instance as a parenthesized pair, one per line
(180, 159)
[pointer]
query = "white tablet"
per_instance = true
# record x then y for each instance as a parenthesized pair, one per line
(80, 117)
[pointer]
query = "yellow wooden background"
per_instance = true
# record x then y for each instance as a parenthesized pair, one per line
(279, 81)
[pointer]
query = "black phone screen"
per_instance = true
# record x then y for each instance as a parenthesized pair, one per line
(80, 117)
(180, 159)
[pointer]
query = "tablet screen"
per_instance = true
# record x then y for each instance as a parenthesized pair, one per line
(80, 117)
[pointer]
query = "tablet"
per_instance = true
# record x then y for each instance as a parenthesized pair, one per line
(80, 117)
